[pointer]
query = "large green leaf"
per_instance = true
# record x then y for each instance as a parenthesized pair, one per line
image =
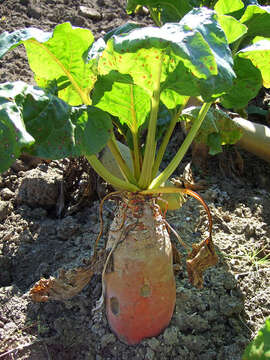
(129, 102)
(58, 56)
(246, 85)
(200, 55)
(257, 19)
(44, 125)
(205, 21)
(259, 54)
(259, 348)
(225, 7)
(216, 130)
(233, 29)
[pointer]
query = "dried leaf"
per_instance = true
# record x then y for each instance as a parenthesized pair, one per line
(69, 282)
(201, 257)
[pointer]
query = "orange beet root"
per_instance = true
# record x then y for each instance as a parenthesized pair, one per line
(139, 281)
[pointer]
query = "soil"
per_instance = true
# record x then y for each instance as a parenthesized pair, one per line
(47, 222)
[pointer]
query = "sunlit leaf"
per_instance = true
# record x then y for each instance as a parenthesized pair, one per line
(199, 55)
(233, 29)
(57, 56)
(259, 54)
(225, 7)
(257, 19)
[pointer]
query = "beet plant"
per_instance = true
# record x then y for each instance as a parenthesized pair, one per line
(137, 80)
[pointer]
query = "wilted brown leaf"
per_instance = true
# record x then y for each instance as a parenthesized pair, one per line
(201, 257)
(69, 282)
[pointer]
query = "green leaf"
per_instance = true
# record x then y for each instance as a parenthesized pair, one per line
(257, 19)
(259, 38)
(93, 129)
(225, 7)
(58, 56)
(200, 54)
(259, 54)
(214, 143)
(233, 29)
(205, 21)
(246, 85)
(13, 136)
(44, 125)
(259, 348)
(216, 130)
(125, 100)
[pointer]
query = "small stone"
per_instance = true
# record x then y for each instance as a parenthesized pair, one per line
(107, 339)
(5, 209)
(89, 13)
(6, 194)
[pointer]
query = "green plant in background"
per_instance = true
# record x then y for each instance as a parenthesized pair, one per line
(259, 348)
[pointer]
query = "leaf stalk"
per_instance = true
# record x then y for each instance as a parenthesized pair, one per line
(150, 147)
(166, 138)
(183, 149)
(107, 176)
(112, 145)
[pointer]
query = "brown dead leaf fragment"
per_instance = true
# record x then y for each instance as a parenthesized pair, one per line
(69, 282)
(201, 257)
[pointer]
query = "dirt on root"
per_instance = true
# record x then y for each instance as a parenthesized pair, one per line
(49, 219)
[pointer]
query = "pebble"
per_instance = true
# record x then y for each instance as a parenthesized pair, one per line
(89, 13)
